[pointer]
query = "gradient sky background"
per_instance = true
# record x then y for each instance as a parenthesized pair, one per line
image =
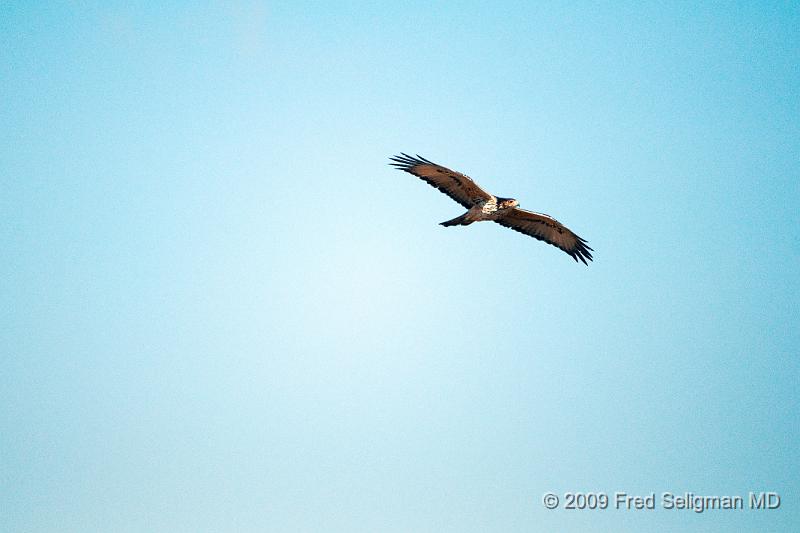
(221, 310)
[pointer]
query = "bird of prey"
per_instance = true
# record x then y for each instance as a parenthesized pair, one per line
(484, 206)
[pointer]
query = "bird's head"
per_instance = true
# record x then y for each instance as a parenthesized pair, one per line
(507, 203)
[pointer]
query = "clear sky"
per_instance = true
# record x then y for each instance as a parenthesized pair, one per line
(221, 310)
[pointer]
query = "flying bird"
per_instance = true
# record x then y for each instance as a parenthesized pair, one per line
(484, 206)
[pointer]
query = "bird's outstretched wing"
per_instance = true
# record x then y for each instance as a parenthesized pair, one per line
(547, 229)
(457, 186)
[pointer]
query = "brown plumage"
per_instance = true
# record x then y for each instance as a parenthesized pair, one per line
(483, 206)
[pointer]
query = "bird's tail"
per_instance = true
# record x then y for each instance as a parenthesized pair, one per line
(458, 221)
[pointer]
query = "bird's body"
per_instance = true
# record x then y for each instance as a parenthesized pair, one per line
(484, 206)
(491, 209)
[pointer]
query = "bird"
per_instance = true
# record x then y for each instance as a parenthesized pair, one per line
(484, 206)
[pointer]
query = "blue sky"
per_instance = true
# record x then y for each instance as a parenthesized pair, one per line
(221, 310)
